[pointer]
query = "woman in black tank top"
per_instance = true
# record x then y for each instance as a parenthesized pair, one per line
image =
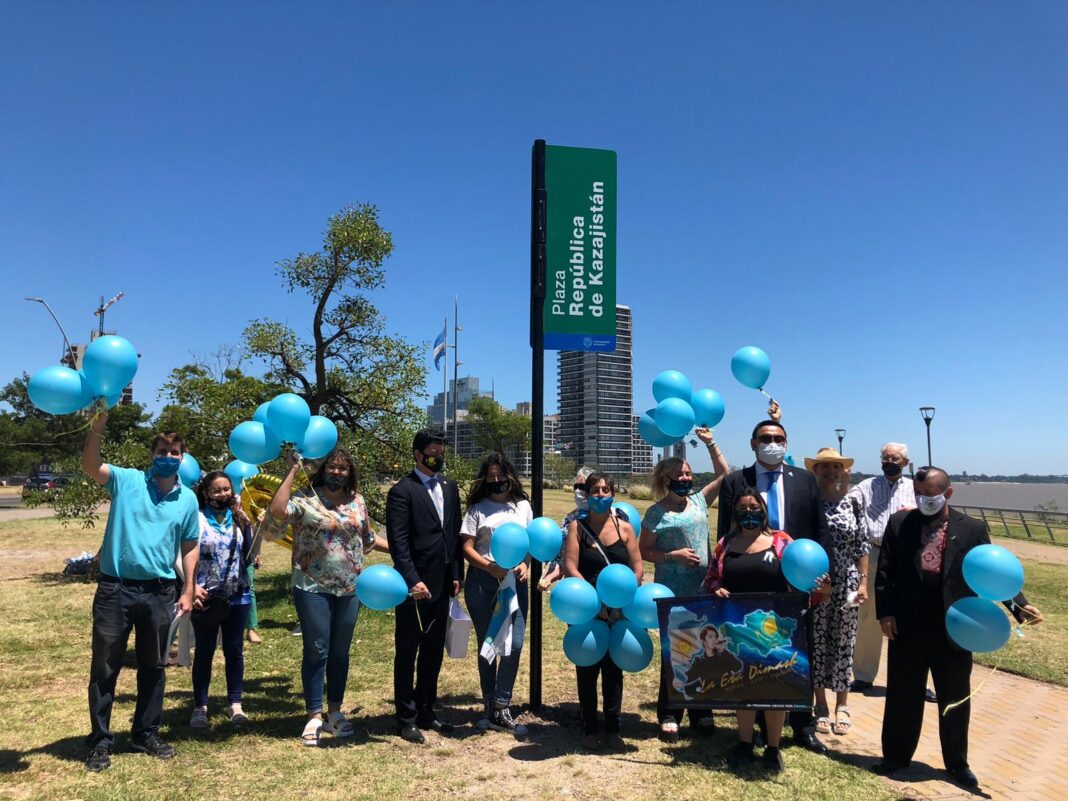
(594, 542)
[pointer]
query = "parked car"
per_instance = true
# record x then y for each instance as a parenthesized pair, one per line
(37, 484)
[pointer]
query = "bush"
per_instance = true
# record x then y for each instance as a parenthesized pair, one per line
(640, 492)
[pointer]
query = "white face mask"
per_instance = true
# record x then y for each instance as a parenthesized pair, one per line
(580, 500)
(772, 453)
(930, 505)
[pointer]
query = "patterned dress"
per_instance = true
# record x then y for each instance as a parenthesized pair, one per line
(675, 530)
(834, 628)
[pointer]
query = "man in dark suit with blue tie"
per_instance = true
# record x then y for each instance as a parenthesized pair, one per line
(423, 529)
(794, 506)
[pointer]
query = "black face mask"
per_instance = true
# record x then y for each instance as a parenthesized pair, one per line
(221, 504)
(891, 470)
(333, 481)
(497, 487)
(681, 488)
(752, 520)
(433, 463)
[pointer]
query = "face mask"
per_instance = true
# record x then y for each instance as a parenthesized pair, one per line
(580, 500)
(681, 488)
(601, 505)
(433, 463)
(497, 487)
(221, 504)
(165, 466)
(334, 481)
(772, 453)
(752, 520)
(891, 470)
(930, 505)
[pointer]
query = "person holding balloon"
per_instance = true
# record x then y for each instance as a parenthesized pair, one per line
(594, 542)
(331, 535)
(927, 571)
(674, 537)
(223, 596)
(496, 497)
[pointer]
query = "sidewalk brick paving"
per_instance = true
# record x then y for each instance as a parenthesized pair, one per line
(1018, 741)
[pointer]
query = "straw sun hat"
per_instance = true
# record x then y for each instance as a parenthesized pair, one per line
(828, 455)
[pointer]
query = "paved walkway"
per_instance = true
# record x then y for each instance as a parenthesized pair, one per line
(1017, 741)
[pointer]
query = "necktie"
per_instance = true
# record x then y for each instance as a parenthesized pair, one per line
(434, 485)
(773, 499)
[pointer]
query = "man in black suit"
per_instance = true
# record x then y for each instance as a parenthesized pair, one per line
(423, 529)
(794, 506)
(919, 577)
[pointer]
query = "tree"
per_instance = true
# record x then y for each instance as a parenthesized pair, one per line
(350, 370)
(559, 470)
(498, 429)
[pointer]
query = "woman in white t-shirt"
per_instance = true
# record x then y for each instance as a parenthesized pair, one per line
(496, 497)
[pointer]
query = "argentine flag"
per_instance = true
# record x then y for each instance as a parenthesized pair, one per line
(439, 349)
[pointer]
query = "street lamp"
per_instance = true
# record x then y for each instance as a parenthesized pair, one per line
(841, 436)
(70, 350)
(928, 412)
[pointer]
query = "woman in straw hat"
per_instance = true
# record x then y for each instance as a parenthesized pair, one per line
(834, 624)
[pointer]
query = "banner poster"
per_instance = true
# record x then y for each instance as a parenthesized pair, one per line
(748, 651)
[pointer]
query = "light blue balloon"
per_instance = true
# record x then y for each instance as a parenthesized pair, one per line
(789, 459)
(319, 438)
(616, 586)
(633, 517)
(674, 417)
(751, 366)
(586, 644)
(188, 470)
(642, 610)
(630, 646)
(993, 572)
(381, 587)
(574, 600)
(708, 408)
(672, 384)
(977, 625)
(288, 416)
(113, 400)
(260, 415)
(803, 562)
(254, 443)
(109, 365)
(648, 431)
(240, 472)
(509, 545)
(59, 390)
(545, 538)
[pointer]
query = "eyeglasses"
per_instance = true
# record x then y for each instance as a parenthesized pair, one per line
(741, 511)
(767, 439)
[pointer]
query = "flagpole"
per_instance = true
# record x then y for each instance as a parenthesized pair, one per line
(445, 387)
(455, 373)
(538, 202)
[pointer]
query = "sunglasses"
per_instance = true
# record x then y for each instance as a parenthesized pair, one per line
(767, 439)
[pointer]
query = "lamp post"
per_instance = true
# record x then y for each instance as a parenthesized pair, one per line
(70, 350)
(928, 413)
(841, 436)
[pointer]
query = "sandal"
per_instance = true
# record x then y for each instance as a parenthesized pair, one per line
(338, 725)
(669, 730)
(823, 720)
(312, 729)
(842, 720)
(199, 718)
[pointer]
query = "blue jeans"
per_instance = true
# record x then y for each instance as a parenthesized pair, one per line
(233, 645)
(497, 679)
(326, 624)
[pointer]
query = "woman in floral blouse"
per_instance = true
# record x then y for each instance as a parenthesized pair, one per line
(331, 535)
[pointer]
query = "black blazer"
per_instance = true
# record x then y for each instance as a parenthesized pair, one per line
(899, 581)
(422, 548)
(804, 507)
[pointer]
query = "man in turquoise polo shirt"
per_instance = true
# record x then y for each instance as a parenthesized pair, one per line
(153, 518)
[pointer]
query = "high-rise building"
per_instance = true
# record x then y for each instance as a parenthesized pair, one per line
(551, 431)
(596, 402)
(641, 460)
(466, 390)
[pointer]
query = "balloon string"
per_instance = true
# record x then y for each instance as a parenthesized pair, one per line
(994, 670)
(92, 420)
(766, 395)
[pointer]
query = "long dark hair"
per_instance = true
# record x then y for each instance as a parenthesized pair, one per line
(205, 484)
(479, 490)
(318, 478)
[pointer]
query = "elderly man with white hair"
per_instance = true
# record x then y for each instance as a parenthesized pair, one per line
(879, 497)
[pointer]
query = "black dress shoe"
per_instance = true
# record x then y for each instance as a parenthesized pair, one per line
(886, 767)
(773, 759)
(930, 697)
(859, 686)
(412, 734)
(808, 740)
(440, 726)
(964, 777)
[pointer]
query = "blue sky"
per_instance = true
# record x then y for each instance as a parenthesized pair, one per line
(874, 193)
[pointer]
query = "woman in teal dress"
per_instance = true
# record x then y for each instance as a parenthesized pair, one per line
(674, 538)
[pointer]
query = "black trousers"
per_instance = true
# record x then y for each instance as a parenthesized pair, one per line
(663, 711)
(611, 690)
(146, 608)
(910, 658)
(418, 654)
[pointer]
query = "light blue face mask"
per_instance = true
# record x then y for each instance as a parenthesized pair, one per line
(601, 505)
(165, 466)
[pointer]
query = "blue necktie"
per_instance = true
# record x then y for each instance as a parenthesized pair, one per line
(773, 499)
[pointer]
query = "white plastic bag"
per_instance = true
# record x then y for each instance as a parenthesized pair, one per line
(457, 631)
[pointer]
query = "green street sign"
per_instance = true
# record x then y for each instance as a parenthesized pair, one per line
(580, 270)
